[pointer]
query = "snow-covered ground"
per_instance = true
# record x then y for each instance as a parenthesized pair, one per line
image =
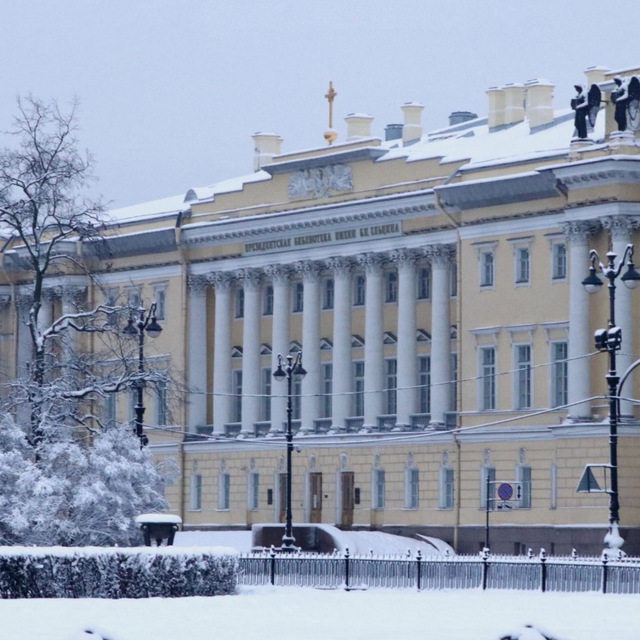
(292, 613)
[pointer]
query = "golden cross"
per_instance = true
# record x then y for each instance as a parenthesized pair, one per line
(330, 96)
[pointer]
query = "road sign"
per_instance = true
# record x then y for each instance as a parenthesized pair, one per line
(504, 506)
(505, 491)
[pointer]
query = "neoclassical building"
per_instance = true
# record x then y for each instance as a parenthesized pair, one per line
(433, 282)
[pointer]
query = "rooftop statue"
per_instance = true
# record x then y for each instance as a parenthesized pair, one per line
(586, 106)
(626, 97)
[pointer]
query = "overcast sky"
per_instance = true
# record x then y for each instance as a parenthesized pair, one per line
(171, 91)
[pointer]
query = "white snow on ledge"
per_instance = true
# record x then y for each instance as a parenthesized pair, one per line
(153, 518)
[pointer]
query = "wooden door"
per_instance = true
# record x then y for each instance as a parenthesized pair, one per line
(282, 497)
(315, 498)
(347, 491)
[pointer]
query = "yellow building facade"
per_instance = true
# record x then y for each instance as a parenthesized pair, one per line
(432, 282)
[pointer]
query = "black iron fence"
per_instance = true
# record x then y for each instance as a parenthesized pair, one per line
(544, 573)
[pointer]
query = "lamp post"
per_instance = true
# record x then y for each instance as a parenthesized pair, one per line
(290, 370)
(136, 327)
(610, 340)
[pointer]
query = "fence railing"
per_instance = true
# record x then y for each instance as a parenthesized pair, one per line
(542, 573)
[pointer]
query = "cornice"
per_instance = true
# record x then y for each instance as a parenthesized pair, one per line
(598, 172)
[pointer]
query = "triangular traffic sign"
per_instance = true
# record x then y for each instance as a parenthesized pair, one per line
(588, 482)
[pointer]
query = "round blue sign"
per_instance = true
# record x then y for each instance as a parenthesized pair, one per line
(505, 491)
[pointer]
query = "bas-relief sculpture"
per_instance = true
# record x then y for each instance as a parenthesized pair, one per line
(320, 182)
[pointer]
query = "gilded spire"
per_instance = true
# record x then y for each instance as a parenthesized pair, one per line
(330, 134)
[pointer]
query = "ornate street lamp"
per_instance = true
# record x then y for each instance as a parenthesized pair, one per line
(290, 370)
(136, 327)
(610, 340)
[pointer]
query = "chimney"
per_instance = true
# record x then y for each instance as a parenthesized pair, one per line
(539, 103)
(412, 129)
(267, 146)
(496, 108)
(393, 132)
(458, 117)
(513, 103)
(358, 126)
(595, 75)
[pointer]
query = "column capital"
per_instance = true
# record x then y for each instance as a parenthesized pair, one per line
(339, 265)
(579, 231)
(620, 227)
(404, 258)
(278, 273)
(310, 271)
(372, 262)
(197, 284)
(439, 254)
(251, 278)
(221, 280)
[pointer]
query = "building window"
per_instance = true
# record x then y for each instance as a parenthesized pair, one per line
(559, 261)
(327, 390)
(553, 503)
(328, 288)
(391, 286)
(411, 488)
(160, 298)
(523, 376)
(134, 299)
(377, 489)
(523, 481)
(453, 387)
(391, 385)
(265, 401)
(224, 491)
(453, 280)
(237, 395)
(522, 265)
(424, 382)
(446, 494)
(296, 401)
(559, 374)
(267, 300)
(133, 401)
(359, 290)
(253, 497)
(487, 378)
(487, 264)
(487, 488)
(358, 389)
(110, 409)
(161, 403)
(423, 283)
(239, 303)
(298, 297)
(195, 497)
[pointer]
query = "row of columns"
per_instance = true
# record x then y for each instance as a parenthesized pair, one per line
(341, 269)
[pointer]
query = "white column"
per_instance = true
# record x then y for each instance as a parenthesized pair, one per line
(311, 383)
(24, 351)
(373, 340)
(197, 412)
(440, 257)
(222, 400)
(251, 352)
(279, 342)
(45, 315)
(71, 296)
(342, 373)
(621, 228)
(580, 342)
(406, 353)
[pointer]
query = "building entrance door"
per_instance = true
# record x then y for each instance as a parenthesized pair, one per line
(347, 490)
(315, 498)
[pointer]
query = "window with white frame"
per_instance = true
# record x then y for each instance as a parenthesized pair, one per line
(558, 261)
(559, 373)
(162, 404)
(553, 502)
(111, 409)
(487, 488)
(111, 300)
(253, 494)
(265, 400)
(359, 290)
(160, 298)
(391, 286)
(487, 378)
(453, 387)
(328, 291)
(423, 283)
(195, 494)
(296, 401)
(523, 480)
(487, 265)
(391, 386)
(133, 401)
(424, 382)
(523, 265)
(453, 279)
(523, 381)
(224, 491)
(298, 297)
(134, 298)
(446, 489)
(236, 380)
(239, 302)
(358, 389)
(411, 488)
(377, 489)
(267, 300)
(327, 390)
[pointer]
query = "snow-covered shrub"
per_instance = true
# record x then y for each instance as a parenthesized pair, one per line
(114, 573)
